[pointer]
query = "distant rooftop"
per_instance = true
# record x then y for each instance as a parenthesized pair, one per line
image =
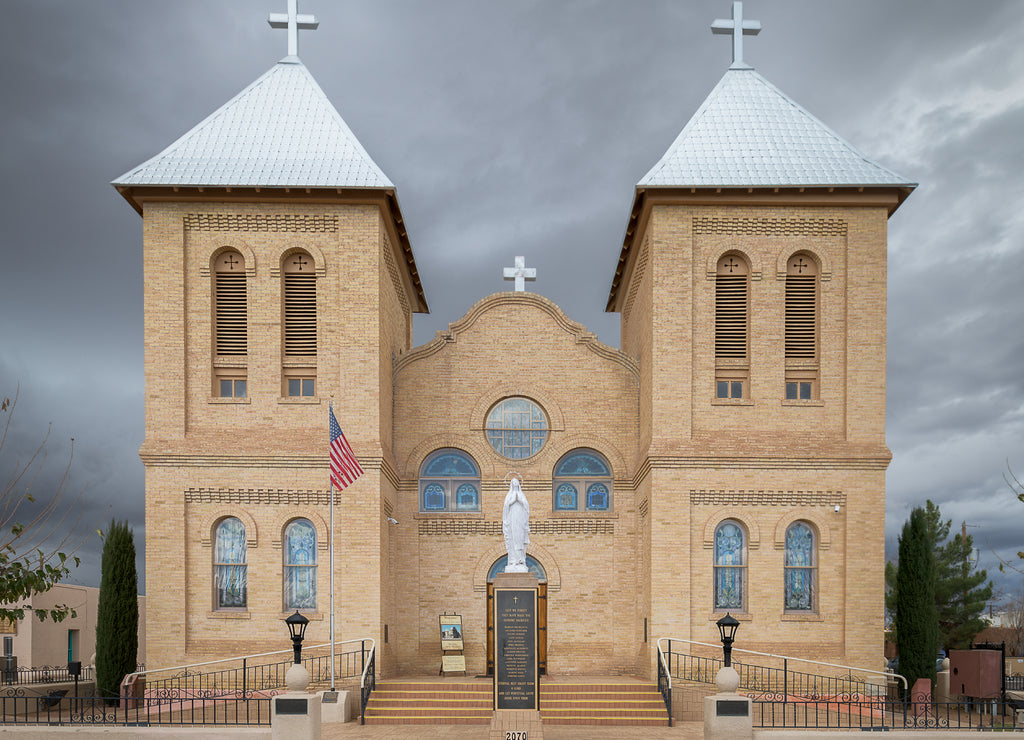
(748, 133)
(280, 131)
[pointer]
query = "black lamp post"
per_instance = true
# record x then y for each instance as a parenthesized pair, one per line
(727, 629)
(297, 627)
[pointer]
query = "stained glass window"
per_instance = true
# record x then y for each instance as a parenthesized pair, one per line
(449, 481)
(586, 473)
(531, 562)
(230, 573)
(300, 565)
(517, 428)
(729, 566)
(800, 568)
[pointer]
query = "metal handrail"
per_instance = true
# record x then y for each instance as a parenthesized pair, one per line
(144, 672)
(663, 668)
(887, 674)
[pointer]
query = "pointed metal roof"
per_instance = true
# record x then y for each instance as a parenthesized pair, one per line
(280, 131)
(748, 133)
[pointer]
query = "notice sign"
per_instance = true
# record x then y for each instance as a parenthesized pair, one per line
(451, 632)
(515, 648)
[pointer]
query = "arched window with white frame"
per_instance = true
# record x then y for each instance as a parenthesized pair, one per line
(449, 481)
(582, 481)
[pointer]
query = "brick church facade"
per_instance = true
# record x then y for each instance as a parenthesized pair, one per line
(729, 457)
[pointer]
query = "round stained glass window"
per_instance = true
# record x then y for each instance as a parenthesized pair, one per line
(517, 428)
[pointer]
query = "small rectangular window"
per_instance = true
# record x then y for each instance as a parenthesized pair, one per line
(805, 391)
(736, 389)
(301, 387)
(723, 388)
(791, 391)
(232, 388)
(308, 386)
(294, 387)
(801, 385)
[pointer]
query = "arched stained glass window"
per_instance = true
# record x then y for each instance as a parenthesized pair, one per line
(449, 481)
(582, 474)
(531, 562)
(230, 574)
(300, 565)
(730, 566)
(800, 568)
(517, 428)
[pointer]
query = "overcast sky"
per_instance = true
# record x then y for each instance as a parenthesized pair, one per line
(521, 128)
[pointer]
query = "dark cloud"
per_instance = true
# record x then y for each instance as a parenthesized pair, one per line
(520, 128)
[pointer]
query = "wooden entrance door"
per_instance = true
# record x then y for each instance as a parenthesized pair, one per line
(542, 627)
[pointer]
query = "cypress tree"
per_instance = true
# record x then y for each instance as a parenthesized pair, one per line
(916, 619)
(117, 620)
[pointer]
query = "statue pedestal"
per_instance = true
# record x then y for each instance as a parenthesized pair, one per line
(516, 668)
(727, 715)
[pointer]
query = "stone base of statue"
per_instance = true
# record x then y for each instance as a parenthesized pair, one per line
(516, 667)
(295, 715)
(727, 715)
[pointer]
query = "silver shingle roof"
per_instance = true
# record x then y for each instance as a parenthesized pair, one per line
(281, 131)
(748, 133)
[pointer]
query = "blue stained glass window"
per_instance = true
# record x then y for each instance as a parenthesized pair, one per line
(230, 572)
(452, 463)
(449, 481)
(597, 497)
(467, 498)
(800, 568)
(433, 497)
(729, 566)
(582, 463)
(516, 428)
(565, 497)
(300, 565)
(531, 562)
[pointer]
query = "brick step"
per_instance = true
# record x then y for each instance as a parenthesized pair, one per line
(606, 721)
(428, 712)
(427, 720)
(584, 704)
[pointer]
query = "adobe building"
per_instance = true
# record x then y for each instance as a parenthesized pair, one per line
(730, 456)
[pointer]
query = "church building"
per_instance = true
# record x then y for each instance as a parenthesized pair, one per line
(730, 456)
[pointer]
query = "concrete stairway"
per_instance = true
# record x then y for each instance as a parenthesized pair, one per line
(430, 702)
(602, 704)
(449, 702)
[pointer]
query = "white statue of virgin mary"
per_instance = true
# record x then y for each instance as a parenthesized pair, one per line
(515, 525)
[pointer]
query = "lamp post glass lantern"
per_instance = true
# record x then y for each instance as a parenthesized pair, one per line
(727, 626)
(297, 629)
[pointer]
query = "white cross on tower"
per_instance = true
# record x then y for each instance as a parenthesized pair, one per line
(738, 28)
(293, 22)
(520, 273)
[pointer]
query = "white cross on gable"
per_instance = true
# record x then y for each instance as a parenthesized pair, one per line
(293, 22)
(520, 273)
(738, 28)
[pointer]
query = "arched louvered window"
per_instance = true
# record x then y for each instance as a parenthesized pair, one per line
(801, 568)
(300, 325)
(230, 325)
(582, 480)
(730, 566)
(300, 565)
(732, 363)
(449, 481)
(801, 328)
(230, 572)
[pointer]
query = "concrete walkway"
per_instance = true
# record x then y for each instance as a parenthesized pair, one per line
(353, 730)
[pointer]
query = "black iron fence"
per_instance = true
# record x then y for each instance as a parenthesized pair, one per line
(42, 674)
(854, 711)
(781, 678)
(19, 706)
(253, 675)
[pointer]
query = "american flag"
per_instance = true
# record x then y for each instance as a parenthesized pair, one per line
(344, 466)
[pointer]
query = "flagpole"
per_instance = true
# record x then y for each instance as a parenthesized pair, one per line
(331, 481)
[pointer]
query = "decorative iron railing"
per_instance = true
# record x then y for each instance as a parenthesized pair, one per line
(42, 674)
(19, 707)
(665, 683)
(877, 713)
(367, 682)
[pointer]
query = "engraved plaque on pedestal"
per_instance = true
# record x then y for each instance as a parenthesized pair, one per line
(516, 678)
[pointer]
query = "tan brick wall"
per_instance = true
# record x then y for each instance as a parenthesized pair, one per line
(681, 462)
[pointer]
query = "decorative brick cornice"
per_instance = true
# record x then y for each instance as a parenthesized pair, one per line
(279, 496)
(457, 527)
(770, 226)
(766, 498)
(279, 222)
